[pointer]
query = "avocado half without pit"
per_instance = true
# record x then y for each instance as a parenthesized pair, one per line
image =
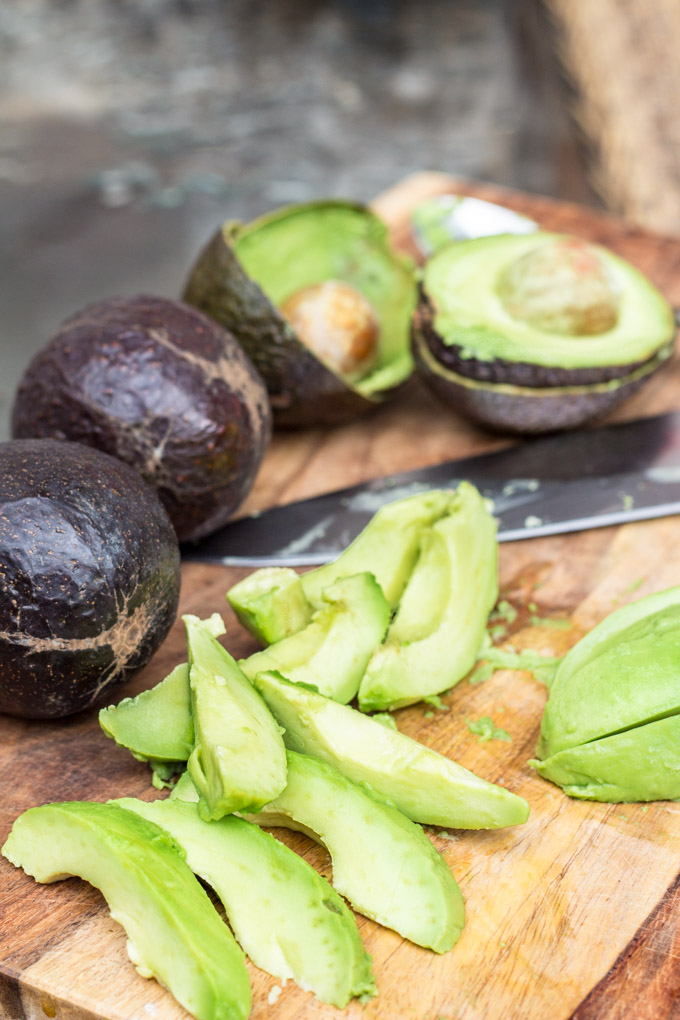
(319, 301)
(535, 333)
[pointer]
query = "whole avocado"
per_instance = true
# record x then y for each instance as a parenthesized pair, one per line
(90, 576)
(160, 386)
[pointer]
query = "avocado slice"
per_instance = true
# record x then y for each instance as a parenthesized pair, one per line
(271, 603)
(424, 785)
(239, 761)
(332, 651)
(383, 863)
(611, 718)
(248, 272)
(174, 933)
(537, 332)
(286, 917)
(439, 627)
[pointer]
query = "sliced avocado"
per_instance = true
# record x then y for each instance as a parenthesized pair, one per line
(622, 674)
(156, 725)
(271, 603)
(383, 863)
(174, 933)
(387, 547)
(507, 322)
(332, 651)
(436, 635)
(286, 917)
(639, 764)
(238, 762)
(248, 272)
(424, 785)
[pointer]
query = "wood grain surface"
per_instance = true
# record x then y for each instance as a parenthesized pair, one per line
(573, 914)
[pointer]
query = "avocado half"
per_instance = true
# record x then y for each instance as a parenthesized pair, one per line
(515, 375)
(248, 271)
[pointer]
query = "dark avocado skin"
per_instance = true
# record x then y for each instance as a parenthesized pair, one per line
(90, 576)
(302, 391)
(164, 388)
(513, 373)
(529, 410)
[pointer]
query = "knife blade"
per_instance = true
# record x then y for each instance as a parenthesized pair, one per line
(568, 482)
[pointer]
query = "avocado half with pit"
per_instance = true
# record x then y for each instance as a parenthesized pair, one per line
(319, 301)
(539, 332)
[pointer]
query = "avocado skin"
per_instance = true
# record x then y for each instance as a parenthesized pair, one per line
(302, 391)
(91, 576)
(526, 410)
(162, 387)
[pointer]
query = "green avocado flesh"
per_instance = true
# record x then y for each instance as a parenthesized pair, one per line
(441, 621)
(610, 723)
(463, 283)
(424, 785)
(383, 863)
(332, 651)
(174, 932)
(271, 603)
(286, 917)
(238, 762)
(303, 245)
(387, 547)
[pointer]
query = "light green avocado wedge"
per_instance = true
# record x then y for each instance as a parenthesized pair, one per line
(286, 917)
(332, 651)
(439, 627)
(387, 547)
(174, 933)
(610, 725)
(271, 603)
(424, 785)
(383, 863)
(239, 761)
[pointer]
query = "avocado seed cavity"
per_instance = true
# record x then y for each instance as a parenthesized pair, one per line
(336, 323)
(561, 287)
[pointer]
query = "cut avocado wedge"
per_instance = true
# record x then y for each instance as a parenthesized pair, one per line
(238, 762)
(424, 785)
(284, 914)
(332, 651)
(174, 933)
(611, 718)
(271, 603)
(509, 321)
(383, 863)
(249, 271)
(441, 621)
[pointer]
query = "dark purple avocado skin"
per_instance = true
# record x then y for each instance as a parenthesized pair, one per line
(89, 576)
(163, 387)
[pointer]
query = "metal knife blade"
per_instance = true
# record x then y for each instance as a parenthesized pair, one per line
(568, 482)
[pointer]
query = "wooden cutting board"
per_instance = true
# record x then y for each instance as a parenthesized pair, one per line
(575, 914)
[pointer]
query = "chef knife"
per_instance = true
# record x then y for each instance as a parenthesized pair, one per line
(568, 482)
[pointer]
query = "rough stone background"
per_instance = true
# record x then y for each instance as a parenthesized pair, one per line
(130, 128)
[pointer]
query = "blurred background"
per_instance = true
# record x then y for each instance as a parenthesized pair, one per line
(130, 128)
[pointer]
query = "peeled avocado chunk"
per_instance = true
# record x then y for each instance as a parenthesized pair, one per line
(238, 762)
(174, 933)
(387, 547)
(536, 332)
(249, 272)
(332, 651)
(286, 917)
(441, 620)
(382, 862)
(271, 603)
(424, 785)
(610, 727)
